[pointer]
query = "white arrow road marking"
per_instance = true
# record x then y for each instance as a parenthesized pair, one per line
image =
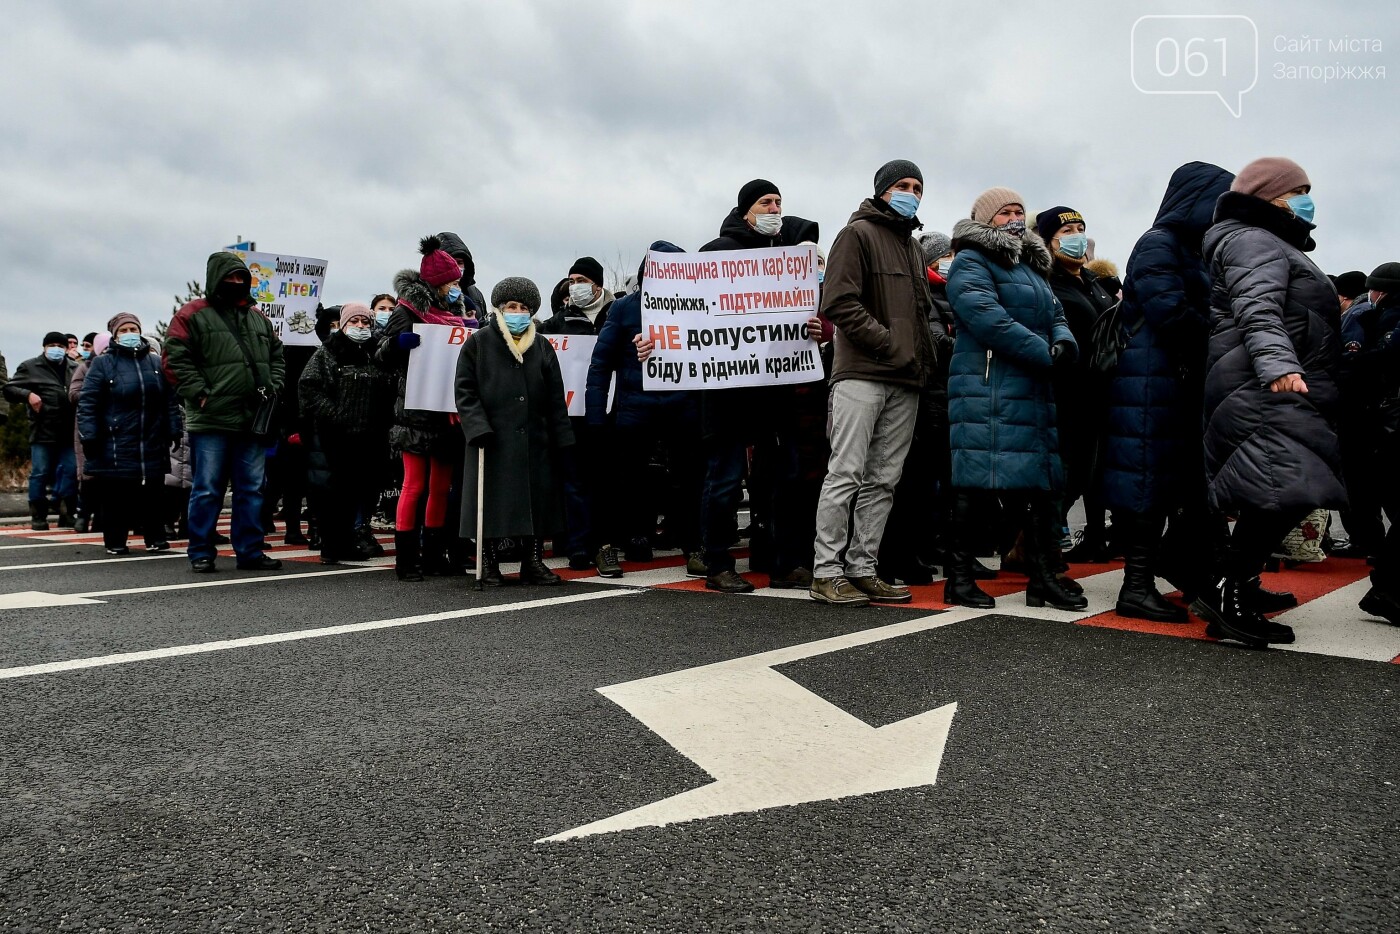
(30, 599)
(126, 658)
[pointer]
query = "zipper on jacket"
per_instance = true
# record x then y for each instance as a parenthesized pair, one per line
(141, 378)
(987, 376)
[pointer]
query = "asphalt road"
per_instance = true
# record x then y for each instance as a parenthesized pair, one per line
(398, 776)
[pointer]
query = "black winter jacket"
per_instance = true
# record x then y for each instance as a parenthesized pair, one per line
(127, 415)
(53, 423)
(344, 392)
(1273, 312)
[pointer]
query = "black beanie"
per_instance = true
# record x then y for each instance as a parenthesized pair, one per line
(754, 190)
(589, 268)
(1350, 284)
(892, 172)
(1047, 222)
(89, 338)
(1385, 278)
(55, 337)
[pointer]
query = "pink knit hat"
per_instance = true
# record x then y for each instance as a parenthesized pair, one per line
(350, 309)
(1270, 177)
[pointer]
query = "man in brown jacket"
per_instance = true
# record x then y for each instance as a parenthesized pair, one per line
(876, 295)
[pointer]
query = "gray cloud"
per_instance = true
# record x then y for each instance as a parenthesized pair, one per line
(139, 138)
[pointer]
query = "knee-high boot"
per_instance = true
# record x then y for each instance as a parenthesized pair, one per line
(1138, 598)
(961, 586)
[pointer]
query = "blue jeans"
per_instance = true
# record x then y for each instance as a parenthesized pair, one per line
(217, 457)
(52, 466)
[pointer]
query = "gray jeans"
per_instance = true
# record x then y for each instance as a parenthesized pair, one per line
(872, 425)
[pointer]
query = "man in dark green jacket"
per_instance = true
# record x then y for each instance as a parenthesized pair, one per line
(224, 356)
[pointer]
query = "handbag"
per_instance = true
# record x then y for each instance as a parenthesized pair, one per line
(265, 419)
(1108, 339)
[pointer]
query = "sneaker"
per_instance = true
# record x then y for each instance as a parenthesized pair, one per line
(880, 592)
(158, 546)
(837, 591)
(728, 582)
(792, 580)
(580, 561)
(123, 550)
(381, 523)
(607, 562)
(638, 550)
(695, 565)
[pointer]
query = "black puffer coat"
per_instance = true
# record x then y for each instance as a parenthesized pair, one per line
(127, 414)
(1273, 312)
(344, 392)
(511, 401)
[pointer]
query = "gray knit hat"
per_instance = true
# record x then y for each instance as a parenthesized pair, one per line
(516, 289)
(934, 245)
(892, 172)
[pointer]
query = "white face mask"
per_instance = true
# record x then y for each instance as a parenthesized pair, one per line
(768, 224)
(358, 334)
(581, 294)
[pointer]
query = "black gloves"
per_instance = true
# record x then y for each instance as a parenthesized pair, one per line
(484, 440)
(1061, 353)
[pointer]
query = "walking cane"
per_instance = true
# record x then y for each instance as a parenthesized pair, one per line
(480, 513)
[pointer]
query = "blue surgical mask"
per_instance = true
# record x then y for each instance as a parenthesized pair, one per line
(1074, 245)
(821, 276)
(129, 341)
(905, 204)
(55, 353)
(454, 295)
(1015, 228)
(1302, 206)
(381, 318)
(516, 322)
(86, 354)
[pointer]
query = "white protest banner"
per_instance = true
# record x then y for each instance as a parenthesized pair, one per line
(732, 318)
(288, 288)
(432, 367)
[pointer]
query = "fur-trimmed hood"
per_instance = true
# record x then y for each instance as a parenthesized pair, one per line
(418, 295)
(1003, 247)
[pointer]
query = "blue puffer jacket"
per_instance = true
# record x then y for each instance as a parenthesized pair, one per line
(130, 411)
(1153, 460)
(615, 353)
(1000, 404)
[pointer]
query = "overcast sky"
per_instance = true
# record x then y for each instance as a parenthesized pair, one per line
(138, 137)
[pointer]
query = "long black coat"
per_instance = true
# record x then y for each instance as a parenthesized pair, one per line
(53, 423)
(130, 411)
(1273, 312)
(1153, 455)
(511, 401)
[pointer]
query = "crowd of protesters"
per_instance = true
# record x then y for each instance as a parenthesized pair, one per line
(1212, 401)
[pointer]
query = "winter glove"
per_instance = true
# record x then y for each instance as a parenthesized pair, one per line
(484, 440)
(408, 340)
(1061, 353)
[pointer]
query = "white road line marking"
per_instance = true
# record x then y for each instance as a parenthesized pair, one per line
(32, 599)
(174, 651)
(134, 556)
(265, 578)
(45, 544)
(1334, 625)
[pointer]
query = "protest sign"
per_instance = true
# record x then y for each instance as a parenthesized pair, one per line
(730, 318)
(288, 289)
(432, 367)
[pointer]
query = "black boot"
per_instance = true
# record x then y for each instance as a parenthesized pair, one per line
(1225, 608)
(39, 515)
(533, 570)
(490, 565)
(67, 507)
(406, 561)
(435, 560)
(1268, 601)
(1043, 561)
(462, 553)
(1138, 598)
(961, 587)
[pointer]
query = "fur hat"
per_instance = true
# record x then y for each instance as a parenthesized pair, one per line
(754, 190)
(120, 318)
(992, 200)
(1385, 278)
(1102, 267)
(934, 245)
(516, 289)
(438, 267)
(1270, 177)
(1047, 222)
(892, 172)
(590, 268)
(1350, 284)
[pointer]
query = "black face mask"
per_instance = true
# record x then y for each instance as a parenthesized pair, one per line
(229, 294)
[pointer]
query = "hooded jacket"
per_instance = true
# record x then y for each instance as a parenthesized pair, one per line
(1001, 408)
(456, 247)
(415, 430)
(742, 414)
(1152, 457)
(53, 423)
(127, 414)
(1273, 312)
(205, 359)
(876, 296)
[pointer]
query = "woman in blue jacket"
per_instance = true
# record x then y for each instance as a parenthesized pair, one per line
(1011, 332)
(127, 420)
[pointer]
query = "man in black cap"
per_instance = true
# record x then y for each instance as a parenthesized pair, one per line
(1350, 287)
(41, 385)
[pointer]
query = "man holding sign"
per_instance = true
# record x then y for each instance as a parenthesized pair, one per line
(877, 297)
